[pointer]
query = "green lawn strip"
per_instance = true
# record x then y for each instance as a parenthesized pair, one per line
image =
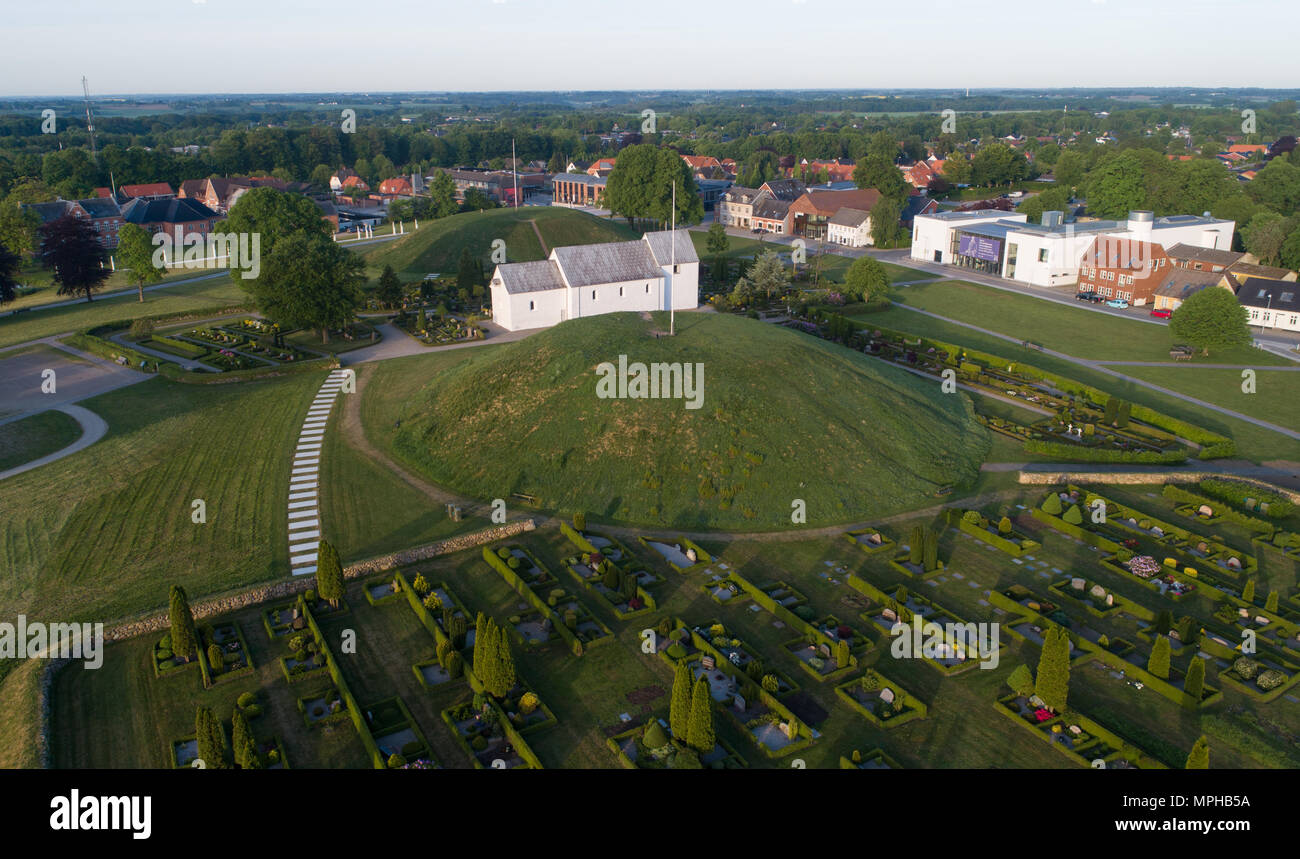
(185, 298)
(102, 533)
(1276, 398)
(1255, 443)
(1073, 330)
(43, 291)
(39, 435)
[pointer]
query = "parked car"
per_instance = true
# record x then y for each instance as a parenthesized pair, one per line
(1015, 194)
(1162, 313)
(1117, 302)
(1094, 297)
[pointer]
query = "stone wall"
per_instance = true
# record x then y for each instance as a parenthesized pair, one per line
(1130, 478)
(236, 600)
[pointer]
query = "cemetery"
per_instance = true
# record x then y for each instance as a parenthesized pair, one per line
(880, 700)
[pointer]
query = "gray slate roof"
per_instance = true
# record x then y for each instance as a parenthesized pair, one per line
(1182, 282)
(538, 276)
(1279, 295)
(661, 244)
(610, 262)
(771, 209)
(847, 217)
(1198, 254)
(176, 210)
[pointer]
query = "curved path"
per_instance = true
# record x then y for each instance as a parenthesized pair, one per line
(93, 428)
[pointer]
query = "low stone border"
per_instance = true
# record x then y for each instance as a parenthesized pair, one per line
(1050, 478)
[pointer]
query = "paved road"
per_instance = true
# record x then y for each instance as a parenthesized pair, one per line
(77, 376)
(93, 428)
(398, 344)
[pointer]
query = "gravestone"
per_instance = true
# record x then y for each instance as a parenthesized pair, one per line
(888, 614)
(1205, 511)
(825, 650)
(690, 555)
(740, 702)
(1077, 583)
(1110, 599)
(707, 663)
(887, 695)
(1098, 591)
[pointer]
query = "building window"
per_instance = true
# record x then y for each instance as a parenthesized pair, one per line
(677, 269)
(531, 306)
(1042, 254)
(647, 289)
(620, 292)
(593, 295)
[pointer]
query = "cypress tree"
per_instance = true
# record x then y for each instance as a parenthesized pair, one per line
(1164, 622)
(1111, 410)
(241, 741)
(216, 659)
(930, 561)
(211, 738)
(915, 545)
(477, 661)
(1122, 415)
(1052, 504)
(1158, 664)
(1199, 759)
(1053, 681)
(1194, 685)
(329, 574)
(1270, 604)
(701, 736)
(1248, 592)
(182, 623)
(841, 654)
(679, 711)
(505, 666)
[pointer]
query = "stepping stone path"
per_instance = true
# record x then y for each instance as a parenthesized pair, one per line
(304, 503)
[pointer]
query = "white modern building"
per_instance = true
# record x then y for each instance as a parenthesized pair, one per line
(660, 271)
(1048, 254)
(850, 227)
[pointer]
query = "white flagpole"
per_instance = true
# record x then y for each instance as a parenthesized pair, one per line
(672, 307)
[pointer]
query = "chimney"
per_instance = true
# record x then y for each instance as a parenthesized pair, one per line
(1140, 225)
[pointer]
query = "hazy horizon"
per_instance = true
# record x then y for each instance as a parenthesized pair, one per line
(246, 47)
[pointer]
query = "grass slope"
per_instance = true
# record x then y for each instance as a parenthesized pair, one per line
(436, 246)
(785, 417)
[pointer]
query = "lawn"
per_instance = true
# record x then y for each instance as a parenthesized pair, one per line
(211, 294)
(1072, 330)
(36, 436)
(43, 291)
(1276, 398)
(834, 266)
(1255, 443)
(103, 533)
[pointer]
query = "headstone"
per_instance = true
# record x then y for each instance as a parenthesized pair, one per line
(1205, 511)
(1098, 591)
(1110, 599)
(825, 649)
(1235, 563)
(887, 695)
(1158, 531)
(690, 555)
(740, 702)
(888, 614)
(1077, 583)
(707, 663)
(1202, 548)
(874, 538)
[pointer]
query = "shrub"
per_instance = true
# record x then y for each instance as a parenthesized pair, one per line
(1073, 516)
(1245, 667)
(503, 553)
(1052, 504)
(972, 517)
(479, 743)
(580, 521)
(431, 602)
(246, 700)
(273, 756)
(396, 761)
(1004, 526)
(770, 683)
(310, 596)
(512, 562)
(528, 703)
(1270, 679)
(252, 711)
(421, 585)
(165, 643)
(215, 658)
(1021, 681)
(454, 665)
(675, 650)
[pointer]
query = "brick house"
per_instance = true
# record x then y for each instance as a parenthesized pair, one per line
(577, 189)
(1201, 259)
(104, 214)
(188, 216)
(1128, 269)
(810, 214)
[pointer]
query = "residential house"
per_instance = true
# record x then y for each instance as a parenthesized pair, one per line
(1201, 259)
(104, 214)
(771, 215)
(1271, 304)
(601, 167)
(1239, 271)
(811, 212)
(916, 204)
(735, 207)
(850, 227)
(219, 193)
(659, 271)
(398, 186)
(1181, 282)
(341, 176)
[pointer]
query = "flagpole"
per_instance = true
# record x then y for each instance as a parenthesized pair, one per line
(672, 237)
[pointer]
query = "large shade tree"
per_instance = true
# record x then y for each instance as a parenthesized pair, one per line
(136, 251)
(71, 250)
(641, 186)
(1211, 319)
(308, 281)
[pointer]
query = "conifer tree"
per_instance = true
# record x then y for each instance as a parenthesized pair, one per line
(1158, 663)
(700, 736)
(1199, 758)
(242, 742)
(505, 666)
(184, 639)
(329, 574)
(1194, 685)
(1248, 592)
(1053, 681)
(210, 737)
(679, 711)
(841, 654)
(1270, 604)
(915, 545)
(1052, 504)
(930, 560)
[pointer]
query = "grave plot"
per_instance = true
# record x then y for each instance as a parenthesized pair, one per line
(556, 614)
(322, 708)
(898, 605)
(870, 540)
(682, 554)
(622, 585)
(1076, 736)
(1001, 534)
(382, 589)
(880, 700)
(874, 759)
(166, 663)
(649, 747)
(225, 651)
(397, 736)
(1261, 676)
(1096, 599)
(304, 659)
(488, 737)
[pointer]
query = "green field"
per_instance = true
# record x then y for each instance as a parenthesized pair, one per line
(36, 436)
(834, 266)
(437, 245)
(1072, 330)
(103, 533)
(1276, 398)
(204, 295)
(41, 289)
(1253, 442)
(785, 417)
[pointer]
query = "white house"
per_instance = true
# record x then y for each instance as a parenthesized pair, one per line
(850, 227)
(1270, 303)
(1048, 254)
(659, 271)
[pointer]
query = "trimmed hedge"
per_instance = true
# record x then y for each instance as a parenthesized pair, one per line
(1076, 453)
(1178, 494)
(354, 710)
(916, 707)
(521, 587)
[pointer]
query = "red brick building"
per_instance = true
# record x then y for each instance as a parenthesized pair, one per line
(1129, 269)
(103, 213)
(186, 215)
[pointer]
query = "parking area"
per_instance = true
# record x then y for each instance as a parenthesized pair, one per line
(26, 387)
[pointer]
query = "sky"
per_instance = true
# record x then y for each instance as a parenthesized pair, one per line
(276, 46)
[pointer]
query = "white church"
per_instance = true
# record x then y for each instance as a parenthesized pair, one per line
(660, 271)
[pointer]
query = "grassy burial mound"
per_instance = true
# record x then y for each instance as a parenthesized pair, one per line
(783, 417)
(437, 245)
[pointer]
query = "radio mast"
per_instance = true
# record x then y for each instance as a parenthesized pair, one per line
(90, 120)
